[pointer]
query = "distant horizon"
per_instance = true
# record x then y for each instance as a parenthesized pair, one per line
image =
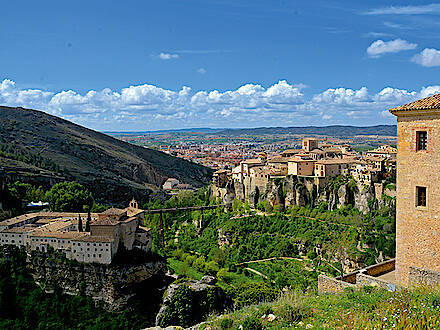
(242, 128)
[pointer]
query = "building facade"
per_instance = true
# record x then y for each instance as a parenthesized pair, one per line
(109, 231)
(418, 188)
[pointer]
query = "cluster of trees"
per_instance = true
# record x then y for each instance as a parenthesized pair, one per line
(11, 151)
(62, 197)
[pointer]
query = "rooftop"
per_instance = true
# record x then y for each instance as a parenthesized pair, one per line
(114, 211)
(431, 102)
(105, 222)
(336, 161)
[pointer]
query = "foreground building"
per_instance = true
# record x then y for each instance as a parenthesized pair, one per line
(418, 188)
(109, 231)
(418, 205)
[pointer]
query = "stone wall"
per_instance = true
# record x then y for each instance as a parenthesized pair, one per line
(425, 277)
(331, 285)
(381, 268)
(417, 227)
(363, 279)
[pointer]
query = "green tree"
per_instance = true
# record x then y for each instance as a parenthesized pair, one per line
(80, 224)
(69, 197)
(89, 219)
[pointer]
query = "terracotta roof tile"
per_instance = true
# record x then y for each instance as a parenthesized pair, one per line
(105, 222)
(431, 102)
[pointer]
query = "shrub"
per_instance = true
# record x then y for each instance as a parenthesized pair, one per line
(226, 323)
(211, 267)
(199, 263)
(251, 323)
(224, 275)
(190, 260)
(253, 293)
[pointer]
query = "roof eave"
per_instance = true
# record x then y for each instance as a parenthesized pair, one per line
(414, 112)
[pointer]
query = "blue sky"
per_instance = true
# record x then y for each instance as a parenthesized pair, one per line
(145, 65)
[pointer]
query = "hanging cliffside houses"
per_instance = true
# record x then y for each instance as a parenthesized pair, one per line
(315, 163)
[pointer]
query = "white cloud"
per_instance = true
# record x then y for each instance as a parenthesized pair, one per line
(406, 10)
(429, 57)
(201, 70)
(380, 47)
(142, 107)
(377, 35)
(167, 56)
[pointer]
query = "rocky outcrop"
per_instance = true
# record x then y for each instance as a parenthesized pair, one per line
(301, 191)
(109, 285)
(189, 302)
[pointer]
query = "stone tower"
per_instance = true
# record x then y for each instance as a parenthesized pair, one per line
(309, 144)
(133, 204)
(418, 187)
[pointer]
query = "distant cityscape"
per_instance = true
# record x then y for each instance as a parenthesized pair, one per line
(222, 151)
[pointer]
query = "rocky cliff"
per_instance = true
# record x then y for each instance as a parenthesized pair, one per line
(301, 191)
(109, 285)
(189, 302)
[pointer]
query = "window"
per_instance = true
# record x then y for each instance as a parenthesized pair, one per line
(422, 139)
(421, 196)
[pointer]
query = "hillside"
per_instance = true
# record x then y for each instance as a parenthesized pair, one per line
(39, 148)
(335, 130)
(369, 308)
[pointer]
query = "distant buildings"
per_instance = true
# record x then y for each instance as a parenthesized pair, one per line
(315, 161)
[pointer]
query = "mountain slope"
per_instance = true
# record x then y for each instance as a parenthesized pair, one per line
(44, 149)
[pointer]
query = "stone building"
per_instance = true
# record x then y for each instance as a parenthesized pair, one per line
(109, 231)
(309, 144)
(418, 189)
(417, 259)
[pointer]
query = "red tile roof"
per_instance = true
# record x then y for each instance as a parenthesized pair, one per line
(431, 102)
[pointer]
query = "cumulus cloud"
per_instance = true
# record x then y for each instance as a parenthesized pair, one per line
(429, 57)
(380, 47)
(146, 106)
(406, 10)
(201, 70)
(167, 56)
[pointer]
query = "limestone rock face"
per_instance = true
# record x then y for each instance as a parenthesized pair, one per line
(189, 302)
(109, 285)
(291, 190)
(362, 196)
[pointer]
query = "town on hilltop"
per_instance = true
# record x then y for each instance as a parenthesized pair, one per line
(316, 162)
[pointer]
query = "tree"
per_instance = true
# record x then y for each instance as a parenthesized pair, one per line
(69, 197)
(341, 246)
(80, 224)
(89, 219)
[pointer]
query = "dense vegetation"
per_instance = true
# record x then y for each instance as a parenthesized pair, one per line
(62, 197)
(268, 252)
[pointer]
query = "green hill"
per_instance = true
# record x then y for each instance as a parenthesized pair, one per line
(42, 149)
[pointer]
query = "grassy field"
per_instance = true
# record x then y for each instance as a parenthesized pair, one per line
(368, 308)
